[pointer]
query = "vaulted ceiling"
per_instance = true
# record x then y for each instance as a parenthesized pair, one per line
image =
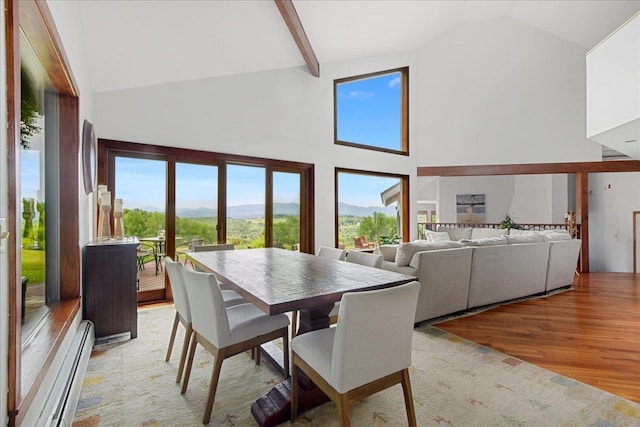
(140, 43)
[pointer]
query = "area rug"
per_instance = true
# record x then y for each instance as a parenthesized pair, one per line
(455, 382)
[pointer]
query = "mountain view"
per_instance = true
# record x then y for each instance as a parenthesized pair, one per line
(257, 211)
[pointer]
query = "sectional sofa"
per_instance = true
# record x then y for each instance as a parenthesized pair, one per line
(462, 271)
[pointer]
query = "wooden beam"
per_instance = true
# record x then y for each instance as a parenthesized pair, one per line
(291, 18)
(531, 168)
(582, 215)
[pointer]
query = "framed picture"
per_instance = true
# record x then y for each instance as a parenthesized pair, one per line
(88, 156)
(470, 208)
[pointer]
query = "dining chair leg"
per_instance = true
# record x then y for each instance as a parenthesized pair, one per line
(185, 348)
(215, 375)
(342, 402)
(187, 373)
(257, 355)
(285, 352)
(408, 398)
(294, 323)
(176, 319)
(294, 389)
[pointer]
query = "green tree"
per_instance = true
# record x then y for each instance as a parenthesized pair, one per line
(378, 225)
(287, 231)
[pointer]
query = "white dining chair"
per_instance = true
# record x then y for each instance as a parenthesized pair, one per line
(364, 354)
(362, 258)
(183, 311)
(323, 252)
(225, 332)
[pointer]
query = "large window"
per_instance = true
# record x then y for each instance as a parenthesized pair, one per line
(371, 111)
(371, 209)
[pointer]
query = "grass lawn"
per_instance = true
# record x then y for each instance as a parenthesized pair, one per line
(33, 265)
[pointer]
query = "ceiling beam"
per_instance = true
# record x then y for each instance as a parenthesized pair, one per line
(291, 18)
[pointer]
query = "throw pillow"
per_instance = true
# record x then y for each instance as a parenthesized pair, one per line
(456, 233)
(406, 250)
(388, 252)
(529, 238)
(487, 241)
(482, 233)
(439, 236)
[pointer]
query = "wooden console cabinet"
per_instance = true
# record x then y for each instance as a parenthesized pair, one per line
(109, 294)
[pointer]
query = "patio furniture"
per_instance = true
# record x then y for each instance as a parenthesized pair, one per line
(188, 248)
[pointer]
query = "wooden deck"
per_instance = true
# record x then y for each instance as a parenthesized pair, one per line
(590, 334)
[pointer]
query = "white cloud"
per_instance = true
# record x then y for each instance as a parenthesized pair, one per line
(395, 82)
(360, 94)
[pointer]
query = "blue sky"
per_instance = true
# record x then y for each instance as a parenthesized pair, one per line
(368, 111)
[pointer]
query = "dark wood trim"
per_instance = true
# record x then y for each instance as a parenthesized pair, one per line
(109, 149)
(37, 23)
(404, 114)
(170, 222)
(12, 58)
(69, 140)
(268, 208)
(404, 184)
(531, 168)
(582, 213)
(291, 18)
(28, 365)
(43, 348)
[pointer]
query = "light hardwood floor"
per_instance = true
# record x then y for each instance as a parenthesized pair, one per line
(590, 334)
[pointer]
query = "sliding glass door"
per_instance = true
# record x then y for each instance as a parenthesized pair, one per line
(285, 218)
(246, 211)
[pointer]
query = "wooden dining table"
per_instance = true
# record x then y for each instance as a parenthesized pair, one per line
(280, 281)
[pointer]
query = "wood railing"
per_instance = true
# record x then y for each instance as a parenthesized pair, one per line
(574, 229)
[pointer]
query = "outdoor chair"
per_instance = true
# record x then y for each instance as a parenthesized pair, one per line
(225, 332)
(188, 247)
(347, 362)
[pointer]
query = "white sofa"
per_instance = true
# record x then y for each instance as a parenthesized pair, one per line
(456, 276)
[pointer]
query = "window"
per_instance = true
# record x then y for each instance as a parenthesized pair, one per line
(372, 111)
(371, 209)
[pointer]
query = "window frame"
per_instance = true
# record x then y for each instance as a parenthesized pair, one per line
(404, 113)
(405, 205)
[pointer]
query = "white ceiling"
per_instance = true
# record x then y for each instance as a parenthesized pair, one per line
(140, 43)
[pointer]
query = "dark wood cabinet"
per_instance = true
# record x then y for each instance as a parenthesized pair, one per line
(109, 294)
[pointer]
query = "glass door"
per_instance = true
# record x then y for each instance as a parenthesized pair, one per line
(285, 218)
(245, 207)
(196, 192)
(141, 183)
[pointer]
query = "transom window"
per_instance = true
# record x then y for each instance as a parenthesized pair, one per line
(371, 111)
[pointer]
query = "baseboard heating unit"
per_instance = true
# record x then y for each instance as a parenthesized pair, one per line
(61, 405)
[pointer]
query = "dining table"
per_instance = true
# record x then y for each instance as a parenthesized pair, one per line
(281, 281)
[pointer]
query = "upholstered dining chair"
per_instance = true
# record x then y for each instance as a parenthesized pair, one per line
(225, 332)
(347, 363)
(362, 258)
(211, 248)
(324, 252)
(183, 310)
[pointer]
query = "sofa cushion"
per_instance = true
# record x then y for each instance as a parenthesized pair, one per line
(554, 237)
(406, 250)
(391, 266)
(514, 232)
(482, 233)
(456, 233)
(487, 241)
(439, 236)
(526, 238)
(388, 252)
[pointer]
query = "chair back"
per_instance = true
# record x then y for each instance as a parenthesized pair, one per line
(332, 253)
(373, 335)
(364, 258)
(195, 242)
(208, 313)
(180, 299)
(209, 248)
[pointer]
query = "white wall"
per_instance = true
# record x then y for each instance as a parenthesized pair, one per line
(535, 199)
(499, 92)
(611, 220)
(281, 114)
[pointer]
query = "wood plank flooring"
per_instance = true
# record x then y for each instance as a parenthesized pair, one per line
(590, 334)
